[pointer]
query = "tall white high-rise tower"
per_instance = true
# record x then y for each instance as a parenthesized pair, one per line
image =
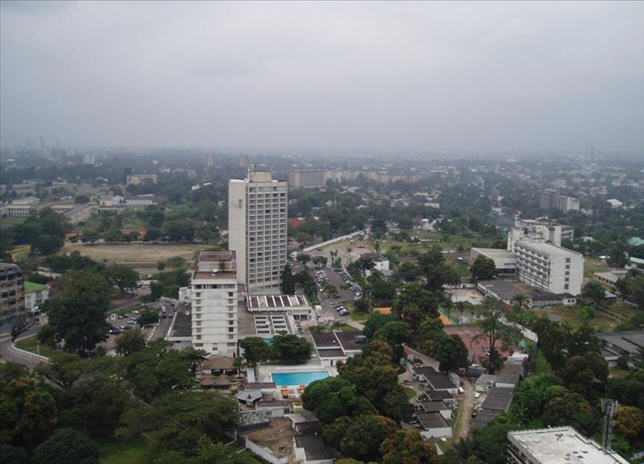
(257, 212)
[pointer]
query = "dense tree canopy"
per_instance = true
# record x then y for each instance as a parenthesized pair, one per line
(77, 316)
(65, 446)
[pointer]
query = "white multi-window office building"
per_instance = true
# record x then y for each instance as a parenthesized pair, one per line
(549, 267)
(214, 303)
(257, 229)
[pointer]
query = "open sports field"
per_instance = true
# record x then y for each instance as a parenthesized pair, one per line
(134, 252)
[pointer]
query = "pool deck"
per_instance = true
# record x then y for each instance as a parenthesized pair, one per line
(264, 371)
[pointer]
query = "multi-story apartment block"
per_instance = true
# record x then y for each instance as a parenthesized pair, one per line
(549, 267)
(566, 204)
(214, 303)
(257, 213)
(539, 230)
(140, 179)
(550, 198)
(12, 290)
(557, 445)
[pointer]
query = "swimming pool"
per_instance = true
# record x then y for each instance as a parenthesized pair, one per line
(297, 378)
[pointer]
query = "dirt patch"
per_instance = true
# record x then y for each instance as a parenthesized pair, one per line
(134, 252)
(278, 437)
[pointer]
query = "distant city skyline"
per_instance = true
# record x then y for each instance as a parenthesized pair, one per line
(437, 77)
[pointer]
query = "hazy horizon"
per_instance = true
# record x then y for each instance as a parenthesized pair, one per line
(436, 77)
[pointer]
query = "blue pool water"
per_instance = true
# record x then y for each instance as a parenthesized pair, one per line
(297, 378)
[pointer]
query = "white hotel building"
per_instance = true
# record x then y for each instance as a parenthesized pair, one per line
(214, 303)
(548, 267)
(257, 228)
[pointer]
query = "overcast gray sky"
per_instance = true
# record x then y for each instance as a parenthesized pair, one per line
(428, 76)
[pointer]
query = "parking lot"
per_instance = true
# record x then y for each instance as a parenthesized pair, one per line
(340, 279)
(121, 322)
(332, 306)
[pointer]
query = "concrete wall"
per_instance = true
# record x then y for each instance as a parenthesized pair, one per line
(264, 453)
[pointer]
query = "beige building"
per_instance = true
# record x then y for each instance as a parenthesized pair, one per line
(557, 445)
(257, 212)
(214, 303)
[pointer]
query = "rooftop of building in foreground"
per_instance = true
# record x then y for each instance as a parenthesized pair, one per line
(561, 445)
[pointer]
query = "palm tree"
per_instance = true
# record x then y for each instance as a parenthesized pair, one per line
(520, 302)
(493, 330)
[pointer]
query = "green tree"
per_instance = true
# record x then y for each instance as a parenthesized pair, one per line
(303, 258)
(176, 262)
(179, 422)
(629, 421)
(332, 398)
(415, 294)
(452, 353)
(148, 317)
(28, 413)
(637, 290)
(90, 236)
(531, 396)
(122, 276)
(365, 435)
(94, 405)
(520, 302)
(65, 446)
(593, 292)
(571, 409)
(376, 321)
(13, 455)
(408, 447)
(587, 374)
(130, 341)
(255, 349)
(364, 304)
(394, 333)
(153, 371)
(77, 316)
(493, 331)
(483, 268)
(288, 281)
(290, 349)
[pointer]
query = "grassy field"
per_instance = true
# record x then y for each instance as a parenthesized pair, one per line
(11, 221)
(125, 453)
(31, 344)
(602, 321)
(135, 252)
(592, 265)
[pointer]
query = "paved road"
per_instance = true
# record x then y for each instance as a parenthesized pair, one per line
(9, 354)
(125, 303)
(464, 419)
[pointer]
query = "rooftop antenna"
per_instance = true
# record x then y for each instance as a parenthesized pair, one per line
(609, 408)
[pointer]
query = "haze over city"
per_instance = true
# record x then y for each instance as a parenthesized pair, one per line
(308, 232)
(468, 76)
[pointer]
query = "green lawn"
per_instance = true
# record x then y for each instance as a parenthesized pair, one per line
(11, 221)
(410, 392)
(355, 315)
(31, 344)
(592, 265)
(618, 373)
(125, 453)
(572, 315)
